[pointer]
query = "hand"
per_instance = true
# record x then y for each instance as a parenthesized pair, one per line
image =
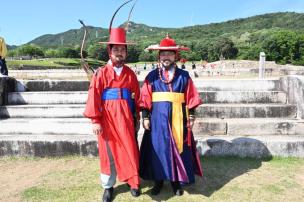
(97, 129)
(146, 124)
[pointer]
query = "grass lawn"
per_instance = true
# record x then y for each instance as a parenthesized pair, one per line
(226, 179)
(49, 62)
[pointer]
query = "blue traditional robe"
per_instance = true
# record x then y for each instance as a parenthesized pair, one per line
(162, 155)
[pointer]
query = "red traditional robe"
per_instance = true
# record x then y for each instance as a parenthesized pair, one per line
(116, 120)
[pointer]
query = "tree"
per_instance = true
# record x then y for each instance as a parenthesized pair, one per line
(190, 55)
(133, 53)
(298, 58)
(148, 56)
(250, 52)
(98, 52)
(281, 47)
(226, 48)
(203, 51)
(30, 50)
(12, 53)
(68, 53)
(51, 53)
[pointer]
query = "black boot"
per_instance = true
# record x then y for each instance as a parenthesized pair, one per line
(157, 187)
(108, 195)
(177, 188)
(135, 192)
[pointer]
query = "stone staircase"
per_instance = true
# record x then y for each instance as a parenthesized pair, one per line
(239, 117)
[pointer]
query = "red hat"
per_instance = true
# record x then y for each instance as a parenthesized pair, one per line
(167, 44)
(118, 37)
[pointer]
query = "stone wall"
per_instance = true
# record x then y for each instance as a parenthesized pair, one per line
(293, 85)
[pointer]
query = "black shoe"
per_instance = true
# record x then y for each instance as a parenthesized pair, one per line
(177, 188)
(158, 185)
(108, 195)
(135, 192)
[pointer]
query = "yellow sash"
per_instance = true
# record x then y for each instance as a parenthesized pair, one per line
(177, 114)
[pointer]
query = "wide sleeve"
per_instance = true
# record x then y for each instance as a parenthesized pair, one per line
(93, 106)
(192, 96)
(136, 91)
(146, 96)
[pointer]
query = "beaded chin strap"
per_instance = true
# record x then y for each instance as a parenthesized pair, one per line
(160, 73)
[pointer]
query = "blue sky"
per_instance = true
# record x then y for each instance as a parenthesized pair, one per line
(24, 20)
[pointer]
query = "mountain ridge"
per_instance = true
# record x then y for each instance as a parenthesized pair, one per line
(144, 34)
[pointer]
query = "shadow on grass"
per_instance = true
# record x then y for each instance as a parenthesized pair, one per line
(225, 160)
(222, 162)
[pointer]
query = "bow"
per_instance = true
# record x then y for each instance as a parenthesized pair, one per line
(127, 26)
(88, 70)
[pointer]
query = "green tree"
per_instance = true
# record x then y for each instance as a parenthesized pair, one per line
(281, 47)
(250, 52)
(98, 52)
(148, 56)
(68, 53)
(226, 48)
(51, 53)
(298, 58)
(12, 53)
(30, 50)
(133, 53)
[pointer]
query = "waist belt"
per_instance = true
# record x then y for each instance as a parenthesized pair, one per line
(177, 114)
(117, 94)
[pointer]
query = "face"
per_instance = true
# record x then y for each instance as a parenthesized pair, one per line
(167, 58)
(118, 54)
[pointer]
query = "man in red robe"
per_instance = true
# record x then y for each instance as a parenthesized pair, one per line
(113, 107)
(168, 102)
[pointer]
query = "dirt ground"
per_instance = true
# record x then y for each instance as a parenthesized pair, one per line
(18, 175)
(225, 179)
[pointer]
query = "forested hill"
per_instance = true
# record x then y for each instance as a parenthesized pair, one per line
(144, 34)
(279, 35)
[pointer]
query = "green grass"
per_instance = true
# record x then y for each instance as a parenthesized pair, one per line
(225, 179)
(49, 63)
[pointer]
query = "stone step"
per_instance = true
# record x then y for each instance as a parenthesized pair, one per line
(246, 111)
(60, 145)
(253, 146)
(238, 85)
(52, 85)
(46, 126)
(203, 111)
(210, 97)
(42, 111)
(248, 127)
(202, 127)
(243, 137)
(80, 97)
(202, 85)
(51, 97)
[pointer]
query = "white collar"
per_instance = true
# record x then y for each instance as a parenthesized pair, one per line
(118, 70)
